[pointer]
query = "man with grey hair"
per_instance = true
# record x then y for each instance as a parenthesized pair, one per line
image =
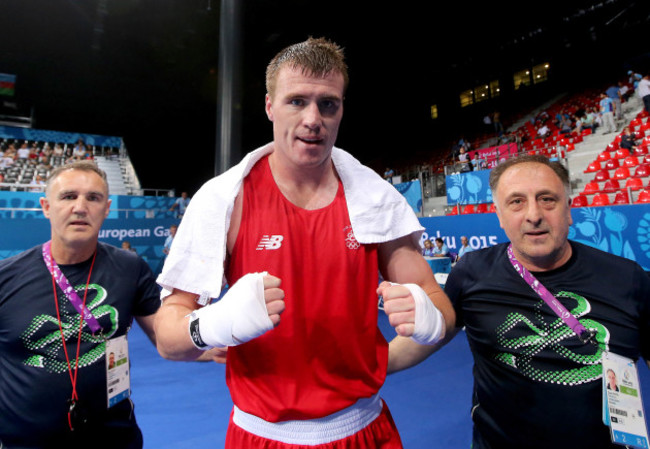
(299, 231)
(63, 304)
(542, 314)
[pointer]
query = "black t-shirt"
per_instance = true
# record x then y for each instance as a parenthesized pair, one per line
(536, 385)
(35, 384)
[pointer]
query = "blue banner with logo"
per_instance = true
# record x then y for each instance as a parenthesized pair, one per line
(412, 191)
(146, 236)
(469, 188)
(620, 230)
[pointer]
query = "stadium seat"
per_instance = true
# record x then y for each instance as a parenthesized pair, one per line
(611, 186)
(454, 211)
(604, 156)
(634, 183)
(646, 159)
(640, 150)
(631, 161)
(621, 153)
(642, 171)
(602, 175)
(593, 167)
(612, 164)
(621, 197)
(591, 188)
(644, 197)
(469, 209)
(613, 146)
(621, 173)
(493, 208)
(482, 208)
(600, 199)
(580, 201)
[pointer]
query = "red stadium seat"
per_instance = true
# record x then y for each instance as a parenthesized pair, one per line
(642, 171)
(454, 211)
(580, 201)
(604, 156)
(621, 153)
(612, 164)
(634, 183)
(621, 173)
(641, 150)
(469, 209)
(493, 208)
(611, 186)
(593, 167)
(631, 161)
(602, 175)
(600, 199)
(622, 197)
(482, 208)
(590, 188)
(644, 197)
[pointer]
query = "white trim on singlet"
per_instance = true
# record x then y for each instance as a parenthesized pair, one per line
(330, 428)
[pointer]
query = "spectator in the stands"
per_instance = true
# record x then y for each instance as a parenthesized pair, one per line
(37, 184)
(628, 140)
(478, 163)
(614, 93)
(441, 249)
(79, 151)
(8, 159)
(543, 131)
(23, 151)
(58, 150)
(463, 161)
(607, 111)
(644, 92)
(44, 163)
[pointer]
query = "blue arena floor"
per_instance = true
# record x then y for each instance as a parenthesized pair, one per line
(187, 405)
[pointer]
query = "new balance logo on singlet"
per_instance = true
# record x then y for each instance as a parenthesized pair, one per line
(270, 242)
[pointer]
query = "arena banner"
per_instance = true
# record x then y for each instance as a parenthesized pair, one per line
(27, 205)
(493, 155)
(42, 135)
(146, 236)
(620, 230)
(469, 188)
(412, 191)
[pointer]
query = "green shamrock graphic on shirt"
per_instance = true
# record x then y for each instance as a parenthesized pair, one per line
(549, 336)
(52, 343)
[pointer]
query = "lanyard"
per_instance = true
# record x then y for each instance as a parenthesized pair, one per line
(73, 414)
(67, 289)
(583, 333)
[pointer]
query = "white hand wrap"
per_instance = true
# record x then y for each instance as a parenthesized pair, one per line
(238, 317)
(429, 322)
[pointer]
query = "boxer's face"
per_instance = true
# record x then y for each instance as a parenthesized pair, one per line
(306, 112)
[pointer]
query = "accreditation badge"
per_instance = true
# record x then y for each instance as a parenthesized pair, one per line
(622, 402)
(118, 379)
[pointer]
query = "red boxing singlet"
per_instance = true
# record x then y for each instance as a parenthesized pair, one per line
(327, 352)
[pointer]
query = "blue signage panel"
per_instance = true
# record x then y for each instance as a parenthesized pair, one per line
(620, 230)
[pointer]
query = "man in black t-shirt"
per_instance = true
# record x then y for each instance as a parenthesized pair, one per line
(53, 369)
(536, 383)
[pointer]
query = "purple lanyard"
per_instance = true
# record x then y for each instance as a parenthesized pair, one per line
(67, 289)
(557, 307)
